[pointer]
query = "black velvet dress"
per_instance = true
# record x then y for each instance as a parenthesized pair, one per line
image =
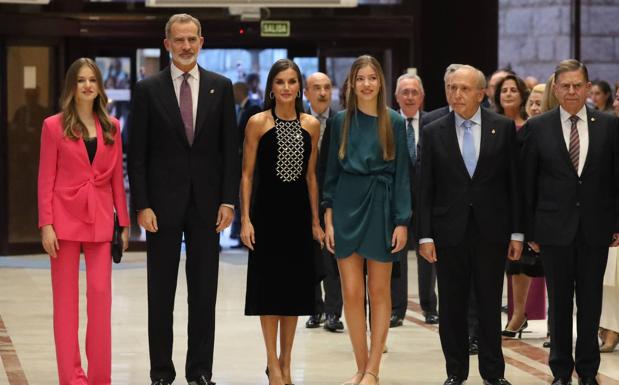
(280, 272)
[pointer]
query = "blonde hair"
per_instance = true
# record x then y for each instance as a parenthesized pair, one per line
(549, 100)
(385, 131)
(73, 127)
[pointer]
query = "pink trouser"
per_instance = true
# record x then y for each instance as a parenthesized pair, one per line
(65, 275)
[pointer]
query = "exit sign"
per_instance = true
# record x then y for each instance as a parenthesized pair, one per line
(272, 28)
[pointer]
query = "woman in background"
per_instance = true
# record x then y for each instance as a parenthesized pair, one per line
(602, 96)
(609, 322)
(80, 186)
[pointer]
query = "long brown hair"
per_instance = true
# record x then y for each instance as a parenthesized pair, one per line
(74, 128)
(385, 132)
(276, 68)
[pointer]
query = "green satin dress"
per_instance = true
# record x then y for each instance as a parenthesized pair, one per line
(369, 196)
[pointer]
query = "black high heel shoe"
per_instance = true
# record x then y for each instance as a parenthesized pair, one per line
(266, 371)
(512, 333)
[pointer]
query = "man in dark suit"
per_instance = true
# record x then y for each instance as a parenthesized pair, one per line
(409, 94)
(184, 172)
(246, 108)
(438, 113)
(318, 91)
(427, 119)
(469, 216)
(571, 180)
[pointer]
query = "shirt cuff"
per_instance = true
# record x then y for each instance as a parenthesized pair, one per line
(228, 206)
(517, 237)
(426, 240)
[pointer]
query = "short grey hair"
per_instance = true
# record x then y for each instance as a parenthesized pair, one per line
(481, 78)
(450, 70)
(409, 76)
(181, 18)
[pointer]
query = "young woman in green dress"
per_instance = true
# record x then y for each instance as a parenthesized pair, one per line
(367, 199)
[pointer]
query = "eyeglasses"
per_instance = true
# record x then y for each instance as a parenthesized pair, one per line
(409, 92)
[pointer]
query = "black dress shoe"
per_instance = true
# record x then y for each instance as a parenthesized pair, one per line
(161, 382)
(395, 321)
(562, 381)
(201, 381)
(431, 319)
(333, 323)
(473, 346)
(314, 321)
(497, 381)
(453, 380)
(587, 381)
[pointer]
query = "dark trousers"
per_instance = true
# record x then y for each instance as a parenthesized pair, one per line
(479, 264)
(163, 255)
(426, 281)
(473, 318)
(576, 268)
(332, 303)
(399, 286)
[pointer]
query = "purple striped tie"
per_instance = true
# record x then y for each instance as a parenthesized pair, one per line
(186, 106)
(574, 142)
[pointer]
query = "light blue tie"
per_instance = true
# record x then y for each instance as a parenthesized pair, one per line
(468, 147)
(410, 139)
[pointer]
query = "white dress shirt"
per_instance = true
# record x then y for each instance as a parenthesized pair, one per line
(476, 130)
(415, 124)
(583, 133)
(194, 85)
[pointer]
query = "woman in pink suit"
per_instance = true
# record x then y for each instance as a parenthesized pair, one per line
(80, 186)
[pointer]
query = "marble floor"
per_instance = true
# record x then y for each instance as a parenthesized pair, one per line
(319, 358)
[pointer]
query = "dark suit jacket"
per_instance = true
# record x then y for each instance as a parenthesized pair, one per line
(448, 194)
(558, 201)
(433, 115)
(251, 108)
(164, 171)
(323, 155)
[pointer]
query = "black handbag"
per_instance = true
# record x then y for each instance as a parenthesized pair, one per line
(529, 257)
(117, 241)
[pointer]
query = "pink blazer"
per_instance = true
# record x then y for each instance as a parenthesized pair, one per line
(78, 198)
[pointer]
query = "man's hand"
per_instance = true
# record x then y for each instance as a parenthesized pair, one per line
(428, 251)
(225, 215)
(514, 250)
(615, 240)
(148, 220)
(534, 246)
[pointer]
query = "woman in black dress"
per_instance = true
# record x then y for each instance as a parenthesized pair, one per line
(280, 150)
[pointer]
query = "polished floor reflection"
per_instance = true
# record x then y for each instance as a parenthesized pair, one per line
(319, 358)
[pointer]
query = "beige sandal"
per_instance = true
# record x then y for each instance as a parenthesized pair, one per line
(354, 383)
(373, 375)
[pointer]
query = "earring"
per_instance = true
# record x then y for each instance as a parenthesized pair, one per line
(271, 96)
(299, 94)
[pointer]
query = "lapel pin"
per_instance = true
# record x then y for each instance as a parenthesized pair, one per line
(593, 119)
(493, 131)
(212, 91)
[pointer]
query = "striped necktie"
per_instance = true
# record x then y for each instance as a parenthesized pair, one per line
(410, 139)
(574, 142)
(186, 107)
